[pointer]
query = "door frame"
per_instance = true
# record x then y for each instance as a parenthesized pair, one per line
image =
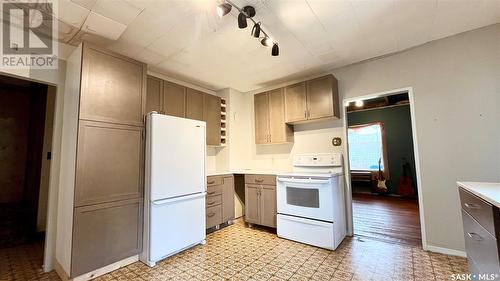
(55, 83)
(409, 90)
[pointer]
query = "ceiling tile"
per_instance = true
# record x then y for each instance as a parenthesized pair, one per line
(103, 26)
(119, 10)
(149, 57)
(71, 13)
(87, 4)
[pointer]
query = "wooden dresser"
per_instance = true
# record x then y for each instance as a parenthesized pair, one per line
(481, 219)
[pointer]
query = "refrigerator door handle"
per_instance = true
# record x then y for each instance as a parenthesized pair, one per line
(179, 198)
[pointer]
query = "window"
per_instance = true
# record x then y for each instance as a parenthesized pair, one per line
(366, 147)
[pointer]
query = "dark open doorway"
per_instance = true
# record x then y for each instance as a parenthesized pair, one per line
(382, 168)
(26, 117)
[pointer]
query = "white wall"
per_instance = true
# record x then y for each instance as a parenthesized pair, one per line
(457, 104)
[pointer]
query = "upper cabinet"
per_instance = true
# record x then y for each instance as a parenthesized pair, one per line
(270, 127)
(275, 111)
(313, 99)
(296, 102)
(154, 95)
(194, 104)
(176, 100)
(112, 88)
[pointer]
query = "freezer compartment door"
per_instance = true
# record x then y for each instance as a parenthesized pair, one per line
(175, 158)
(307, 231)
(176, 225)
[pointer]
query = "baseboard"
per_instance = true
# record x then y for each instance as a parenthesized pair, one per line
(446, 251)
(96, 273)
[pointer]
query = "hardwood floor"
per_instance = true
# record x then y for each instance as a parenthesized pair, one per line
(389, 219)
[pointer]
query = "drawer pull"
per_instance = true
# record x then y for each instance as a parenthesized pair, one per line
(472, 206)
(211, 182)
(211, 215)
(211, 192)
(475, 236)
(259, 180)
(211, 203)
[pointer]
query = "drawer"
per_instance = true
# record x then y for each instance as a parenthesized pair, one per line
(260, 179)
(481, 246)
(214, 190)
(214, 216)
(213, 200)
(478, 209)
(214, 180)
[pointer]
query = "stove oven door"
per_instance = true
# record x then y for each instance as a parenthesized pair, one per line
(306, 197)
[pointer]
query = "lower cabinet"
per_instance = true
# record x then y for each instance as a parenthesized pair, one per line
(260, 200)
(105, 233)
(481, 221)
(220, 200)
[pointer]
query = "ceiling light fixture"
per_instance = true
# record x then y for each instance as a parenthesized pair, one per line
(275, 51)
(359, 103)
(256, 30)
(266, 41)
(223, 9)
(248, 12)
(242, 20)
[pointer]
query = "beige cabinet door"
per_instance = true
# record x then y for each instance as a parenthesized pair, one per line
(320, 97)
(228, 199)
(212, 115)
(295, 102)
(261, 113)
(113, 88)
(174, 99)
(268, 205)
(279, 131)
(104, 234)
(109, 163)
(252, 203)
(194, 104)
(154, 97)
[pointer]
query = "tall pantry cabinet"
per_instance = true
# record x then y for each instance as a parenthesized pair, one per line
(100, 212)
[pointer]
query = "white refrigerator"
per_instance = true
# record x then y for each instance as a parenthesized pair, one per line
(175, 186)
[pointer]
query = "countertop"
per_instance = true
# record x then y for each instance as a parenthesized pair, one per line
(244, 171)
(488, 191)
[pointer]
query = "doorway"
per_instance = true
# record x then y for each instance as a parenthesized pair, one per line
(382, 169)
(26, 126)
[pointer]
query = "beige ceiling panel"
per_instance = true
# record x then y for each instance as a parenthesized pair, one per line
(117, 10)
(103, 26)
(87, 4)
(71, 13)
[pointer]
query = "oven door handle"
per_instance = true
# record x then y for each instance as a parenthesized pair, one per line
(306, 181)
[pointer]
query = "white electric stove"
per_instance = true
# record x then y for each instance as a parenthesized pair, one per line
(311, 202)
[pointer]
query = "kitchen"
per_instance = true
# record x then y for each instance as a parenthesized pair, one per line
(260, 141)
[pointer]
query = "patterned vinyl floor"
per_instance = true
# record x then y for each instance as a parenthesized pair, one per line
(241, 253)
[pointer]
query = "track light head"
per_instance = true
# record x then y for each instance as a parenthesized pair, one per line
(242, 20)
(266, 41)
(249, 11)
(256, 30)
(275, 51)
(223, 9)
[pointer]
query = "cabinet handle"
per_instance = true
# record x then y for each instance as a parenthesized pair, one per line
(308, 113)
(211, 203)
(211, 215)
(211, 192)
(305, 113)
(475, 236)
(259, 180)
(472, 206)
(211, 182)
